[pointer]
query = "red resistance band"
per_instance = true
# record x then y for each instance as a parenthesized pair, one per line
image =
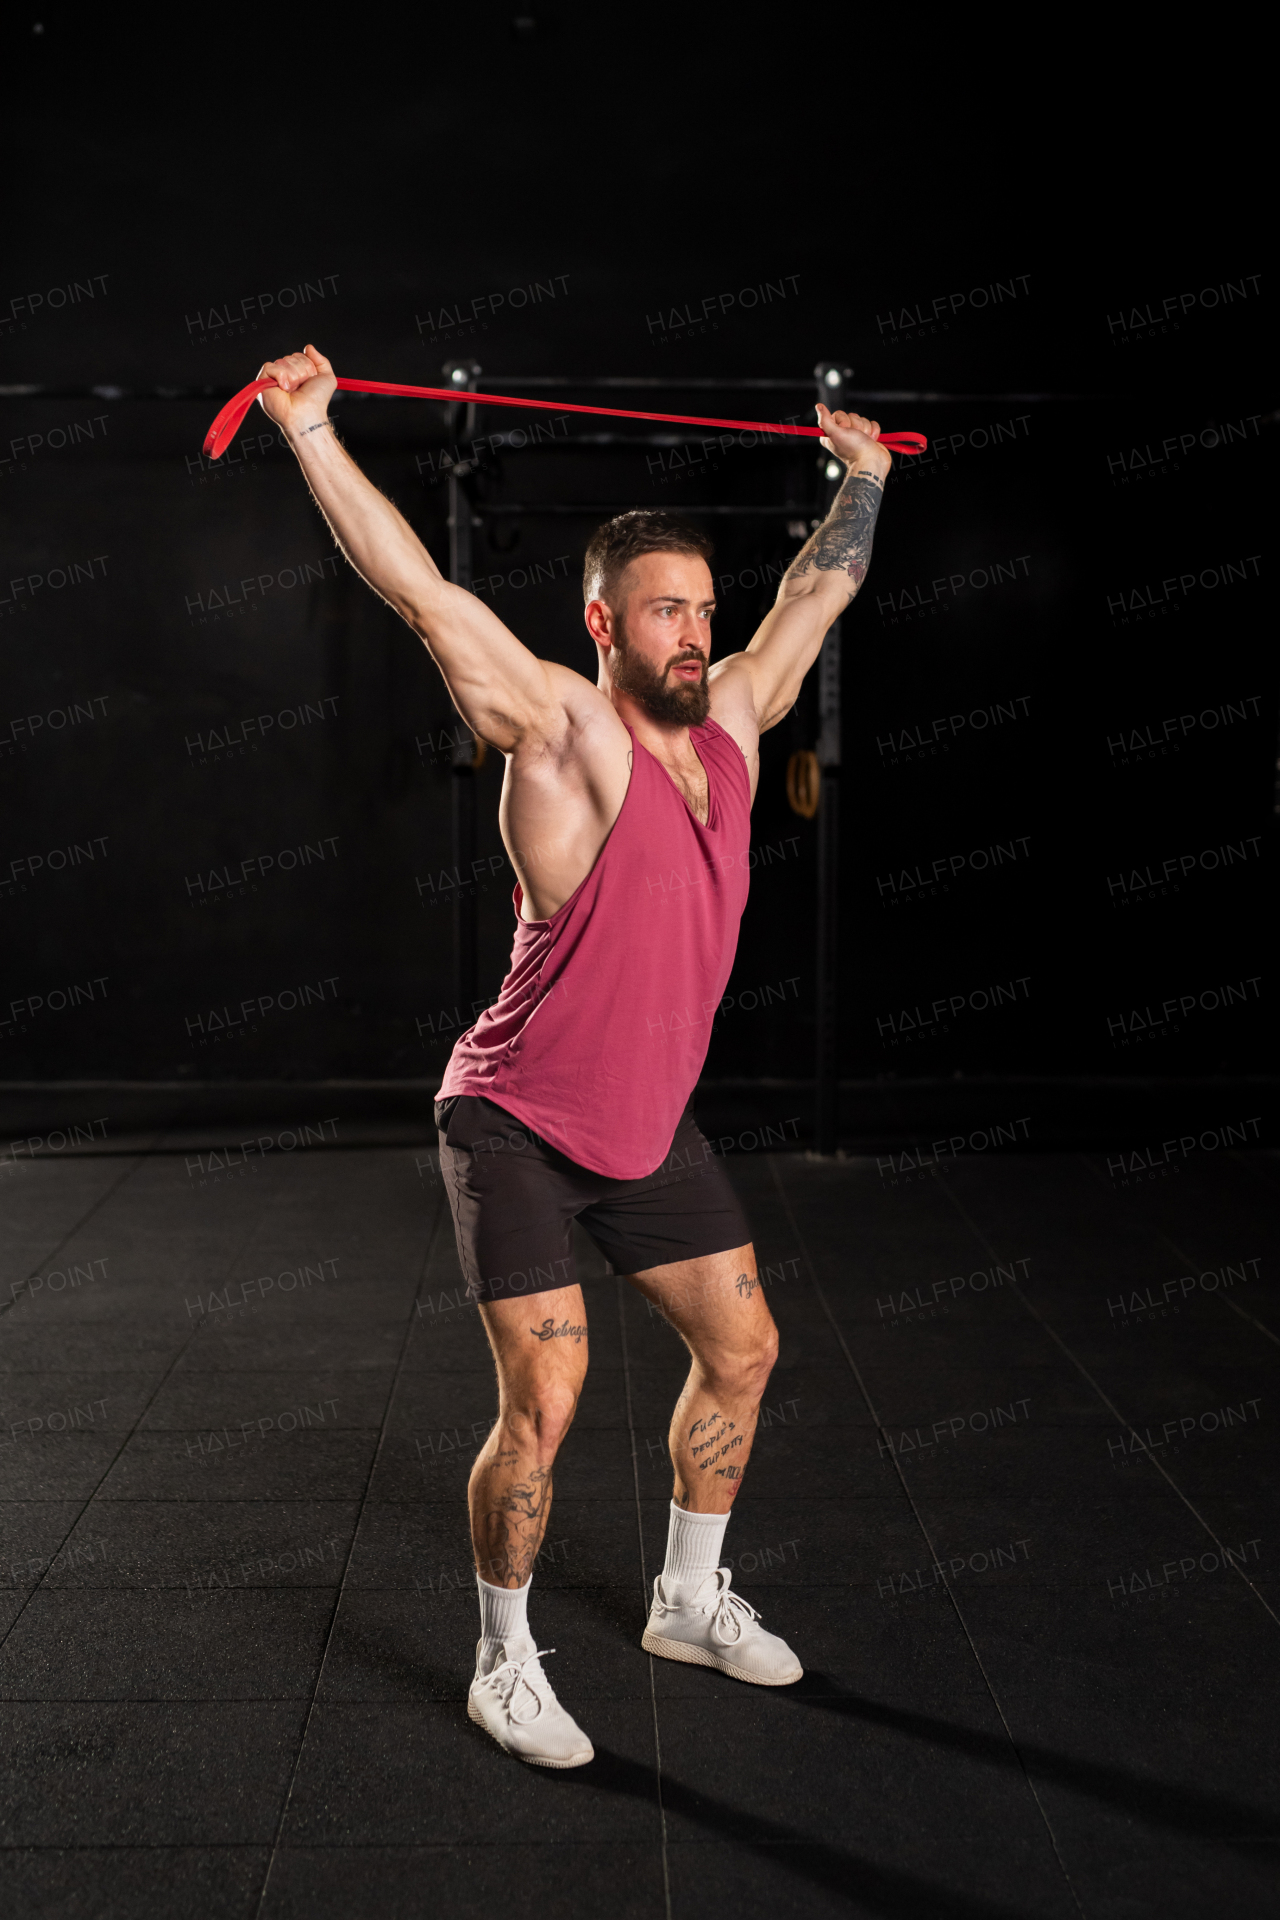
(224, 428)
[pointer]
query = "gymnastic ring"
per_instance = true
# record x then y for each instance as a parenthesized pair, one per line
(804, 783)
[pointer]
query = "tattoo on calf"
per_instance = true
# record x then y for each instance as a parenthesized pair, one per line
(715, 1431)
(521, 1517)
(843, 541)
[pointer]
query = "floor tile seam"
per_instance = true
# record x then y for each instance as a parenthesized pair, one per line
(209, 1427)
(195, 1588)
(109, 1468)
(323, 1846)
(621, 1299)
(174, 1500)
(71, 1232)
(1142, 1453)
(1158, 1231)
(556, 1846)
(153, 1699)
(924, 1532)
(139, 1846)
(406, 1337)
(202, 1592)
(205, 1426)
(76, 1373)
(1251, 1318)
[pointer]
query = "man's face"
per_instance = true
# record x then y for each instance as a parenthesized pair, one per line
(662, 637)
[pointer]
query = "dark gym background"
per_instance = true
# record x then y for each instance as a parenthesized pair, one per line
(1091, 456)
(1013, 1493)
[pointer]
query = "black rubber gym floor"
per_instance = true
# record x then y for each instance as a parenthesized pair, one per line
(1012, 1501)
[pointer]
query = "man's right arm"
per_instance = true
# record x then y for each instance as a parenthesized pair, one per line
(503, 692)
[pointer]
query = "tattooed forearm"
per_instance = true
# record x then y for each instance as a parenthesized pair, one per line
(842, 544)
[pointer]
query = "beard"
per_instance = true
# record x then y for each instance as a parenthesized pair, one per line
(678, 705)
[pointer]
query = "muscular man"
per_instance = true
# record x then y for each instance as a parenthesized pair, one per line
(626, 814)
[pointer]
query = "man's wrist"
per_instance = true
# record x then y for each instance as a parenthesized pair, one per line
(872, 459)
(300, 433)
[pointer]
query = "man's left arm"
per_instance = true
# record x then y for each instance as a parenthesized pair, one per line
(818, 585)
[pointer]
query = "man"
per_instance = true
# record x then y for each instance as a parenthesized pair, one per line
(626, 814)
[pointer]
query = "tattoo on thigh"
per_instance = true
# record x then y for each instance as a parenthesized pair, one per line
(746, 1283)
(550, 1331)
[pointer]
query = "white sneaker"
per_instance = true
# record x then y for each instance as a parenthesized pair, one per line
(515, 1703)
(716, 1628)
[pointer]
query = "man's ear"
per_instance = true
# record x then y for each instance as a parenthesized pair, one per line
(599, 622)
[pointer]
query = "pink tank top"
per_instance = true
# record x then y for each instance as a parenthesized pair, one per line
(601, 1028)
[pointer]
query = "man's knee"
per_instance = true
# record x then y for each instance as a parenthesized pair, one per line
(539, 1416)
(744, 1369)
(764, 1356)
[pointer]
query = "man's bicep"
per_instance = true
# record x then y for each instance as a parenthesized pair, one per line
(781, 652)
(775, 680)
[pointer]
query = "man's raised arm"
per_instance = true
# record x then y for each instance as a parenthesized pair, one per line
(822, 579)
(501, 690)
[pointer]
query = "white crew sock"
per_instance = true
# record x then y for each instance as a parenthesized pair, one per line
(694, 1541)
(503, 1621)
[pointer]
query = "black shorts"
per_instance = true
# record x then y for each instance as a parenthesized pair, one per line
(513, 1198)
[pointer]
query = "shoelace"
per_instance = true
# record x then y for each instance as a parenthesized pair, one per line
(729, 1611)
(509, 1676)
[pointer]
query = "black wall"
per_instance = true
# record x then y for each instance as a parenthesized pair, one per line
(1080, 566)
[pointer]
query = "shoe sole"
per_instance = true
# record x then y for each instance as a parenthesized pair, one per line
(529, 1759)
(699, 1657)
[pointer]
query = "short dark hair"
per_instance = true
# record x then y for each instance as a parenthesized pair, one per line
(616, 544)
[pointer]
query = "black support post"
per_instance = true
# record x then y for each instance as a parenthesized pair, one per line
(463, 374)
(826, 1118)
